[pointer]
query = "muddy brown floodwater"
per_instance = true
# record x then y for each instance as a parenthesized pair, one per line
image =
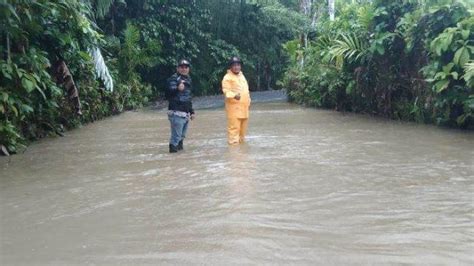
(309, 187)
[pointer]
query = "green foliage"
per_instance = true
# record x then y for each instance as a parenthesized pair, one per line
(451, 51)
(131, 55)
(35, 36)
(469, 74)
(30, 97)
(209, 33)
(365, 15)
(349, 47)
(102, 7)
(408, 60)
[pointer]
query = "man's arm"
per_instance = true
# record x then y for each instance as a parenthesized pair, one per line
(173, 86)
(193, 115)
(227, 89)
(191, 108)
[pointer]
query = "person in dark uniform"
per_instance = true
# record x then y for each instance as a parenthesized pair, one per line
(180, 108)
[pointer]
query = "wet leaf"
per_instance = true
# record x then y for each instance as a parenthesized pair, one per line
(441, 85)
(14, 110)
(461, 57)
(28, 85)
(455, 75)
(465, 34)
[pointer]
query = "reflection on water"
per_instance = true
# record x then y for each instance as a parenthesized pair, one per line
(308, 187)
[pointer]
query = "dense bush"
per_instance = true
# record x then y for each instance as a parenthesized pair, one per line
(38, 99)
(399, 59)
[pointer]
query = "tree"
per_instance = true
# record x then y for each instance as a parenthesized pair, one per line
(331, 9)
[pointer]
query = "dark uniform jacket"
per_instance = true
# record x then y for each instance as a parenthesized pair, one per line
(180, 100)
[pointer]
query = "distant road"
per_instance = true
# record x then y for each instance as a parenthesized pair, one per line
(218, 100)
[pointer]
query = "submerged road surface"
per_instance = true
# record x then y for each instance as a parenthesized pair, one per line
(309, 187)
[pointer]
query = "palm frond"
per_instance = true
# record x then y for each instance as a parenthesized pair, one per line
(365, 15)
(348, 47)
(101, 68)
(469, 74)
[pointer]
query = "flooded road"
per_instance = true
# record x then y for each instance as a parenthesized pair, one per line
(309, 187)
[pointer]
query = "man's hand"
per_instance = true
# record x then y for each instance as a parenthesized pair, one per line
(193, 116)
(237, 97)
(181, 86)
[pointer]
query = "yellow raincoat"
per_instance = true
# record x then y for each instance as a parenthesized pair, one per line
(237, 110)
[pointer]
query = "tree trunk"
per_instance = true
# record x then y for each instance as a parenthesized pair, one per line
(8, 55)
(259, 70)
(331, 9)
(269, 81)
(305, 8)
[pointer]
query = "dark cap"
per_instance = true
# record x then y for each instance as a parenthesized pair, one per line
(235, 60)
(184, 62)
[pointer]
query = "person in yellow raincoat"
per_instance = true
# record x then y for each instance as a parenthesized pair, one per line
(237, 102)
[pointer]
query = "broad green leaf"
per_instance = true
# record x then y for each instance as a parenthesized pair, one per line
(348, 90)
(441, 85)
(6, 71)
(380, 50)
(440, 75)
(471, 105)
(447, 68)
(455, 75)
(461, 57)
(28, 85)
(7, 75)
(26, 108)
(465, 34)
